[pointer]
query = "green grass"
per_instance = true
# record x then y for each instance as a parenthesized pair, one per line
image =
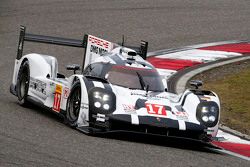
(234, 93)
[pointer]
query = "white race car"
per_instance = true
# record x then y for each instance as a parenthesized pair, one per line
(117, 90)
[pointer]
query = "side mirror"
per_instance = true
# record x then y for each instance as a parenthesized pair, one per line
(73, 67)
(196, 83)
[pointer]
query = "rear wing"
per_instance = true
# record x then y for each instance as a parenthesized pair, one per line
(44, 39)
(93, 46)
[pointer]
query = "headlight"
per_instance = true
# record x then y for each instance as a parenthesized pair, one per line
(105, 98)
(106, 107)
(97, 95)
(101, 101)
(213, 109)
(204, 109)
(97, 104)
(204, 118)
(208, 113)
(101, 96)
(211, 118)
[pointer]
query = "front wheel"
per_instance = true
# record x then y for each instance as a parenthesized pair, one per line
(73, 105)
(22, 85)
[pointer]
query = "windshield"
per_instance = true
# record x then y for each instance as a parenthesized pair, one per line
(135, 78)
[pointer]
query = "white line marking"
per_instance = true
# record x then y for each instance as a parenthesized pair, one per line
(230, 153)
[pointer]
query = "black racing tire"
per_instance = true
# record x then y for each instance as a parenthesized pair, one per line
(73, 105)
(22, 85)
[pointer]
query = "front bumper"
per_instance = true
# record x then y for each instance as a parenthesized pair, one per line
(151, 125)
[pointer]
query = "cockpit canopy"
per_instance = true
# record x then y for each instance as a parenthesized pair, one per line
(127, 76)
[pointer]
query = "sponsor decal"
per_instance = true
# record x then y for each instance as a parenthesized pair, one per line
(159, 97)
(95, 48)
(181, 115)
(99, 42)
(138, 94)
(38, 85)
(156, 97)
(128, 107)
(57, 98)
(66, 92)
(156, 109)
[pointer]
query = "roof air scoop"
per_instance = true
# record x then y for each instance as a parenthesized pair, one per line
(132, 54)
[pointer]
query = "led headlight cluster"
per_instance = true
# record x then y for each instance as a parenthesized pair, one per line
(102, 101)
(208, 113)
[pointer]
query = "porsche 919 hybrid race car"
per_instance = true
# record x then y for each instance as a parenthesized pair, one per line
(116, 90)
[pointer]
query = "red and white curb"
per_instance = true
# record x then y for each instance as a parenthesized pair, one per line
(234, 145)
(168, 62)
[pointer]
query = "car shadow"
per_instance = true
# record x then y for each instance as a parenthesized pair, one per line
(171, 142)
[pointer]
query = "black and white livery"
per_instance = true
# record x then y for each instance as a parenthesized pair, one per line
(116, 90)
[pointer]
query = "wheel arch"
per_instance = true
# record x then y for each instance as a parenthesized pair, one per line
(40, 66)
(84, 109)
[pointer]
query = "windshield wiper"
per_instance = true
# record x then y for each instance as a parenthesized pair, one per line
(143, 85)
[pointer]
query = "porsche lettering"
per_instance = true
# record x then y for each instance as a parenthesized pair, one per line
(99, 42)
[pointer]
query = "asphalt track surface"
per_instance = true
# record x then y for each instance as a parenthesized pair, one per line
(33, 137)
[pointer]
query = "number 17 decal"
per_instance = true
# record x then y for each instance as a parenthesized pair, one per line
(156, 109)
(57, 98)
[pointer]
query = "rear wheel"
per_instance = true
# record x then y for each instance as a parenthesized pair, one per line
(22, 85)
(73, 105)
